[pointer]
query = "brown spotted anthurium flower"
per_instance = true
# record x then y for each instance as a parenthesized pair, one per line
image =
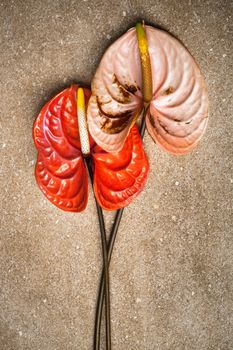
(147, 67)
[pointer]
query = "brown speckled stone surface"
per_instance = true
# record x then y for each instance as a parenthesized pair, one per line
(172, 268)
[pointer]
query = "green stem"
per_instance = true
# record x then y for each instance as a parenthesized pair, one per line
(105, 273)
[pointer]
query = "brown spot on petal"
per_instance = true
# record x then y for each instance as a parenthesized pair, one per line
(126, 114)
(168, 91)
(121, 89)
(131, 88)
(152, 121)
(125, 89)
(114, 126)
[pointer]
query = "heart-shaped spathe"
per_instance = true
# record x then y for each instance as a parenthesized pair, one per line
(177, 115)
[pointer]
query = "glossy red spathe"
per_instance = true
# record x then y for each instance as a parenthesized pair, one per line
(61, 171)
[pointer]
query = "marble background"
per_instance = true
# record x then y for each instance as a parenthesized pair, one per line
(172, 267)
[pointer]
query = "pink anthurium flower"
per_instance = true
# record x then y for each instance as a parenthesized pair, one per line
(177, 107)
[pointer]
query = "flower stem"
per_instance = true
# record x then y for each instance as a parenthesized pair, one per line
(105, 272)
(100, 300)
(110, 245)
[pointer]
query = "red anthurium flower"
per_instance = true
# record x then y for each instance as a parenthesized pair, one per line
(61, 137)
(148, 67)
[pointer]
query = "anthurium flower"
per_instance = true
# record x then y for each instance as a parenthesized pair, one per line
(62, 139)
(148, 67)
